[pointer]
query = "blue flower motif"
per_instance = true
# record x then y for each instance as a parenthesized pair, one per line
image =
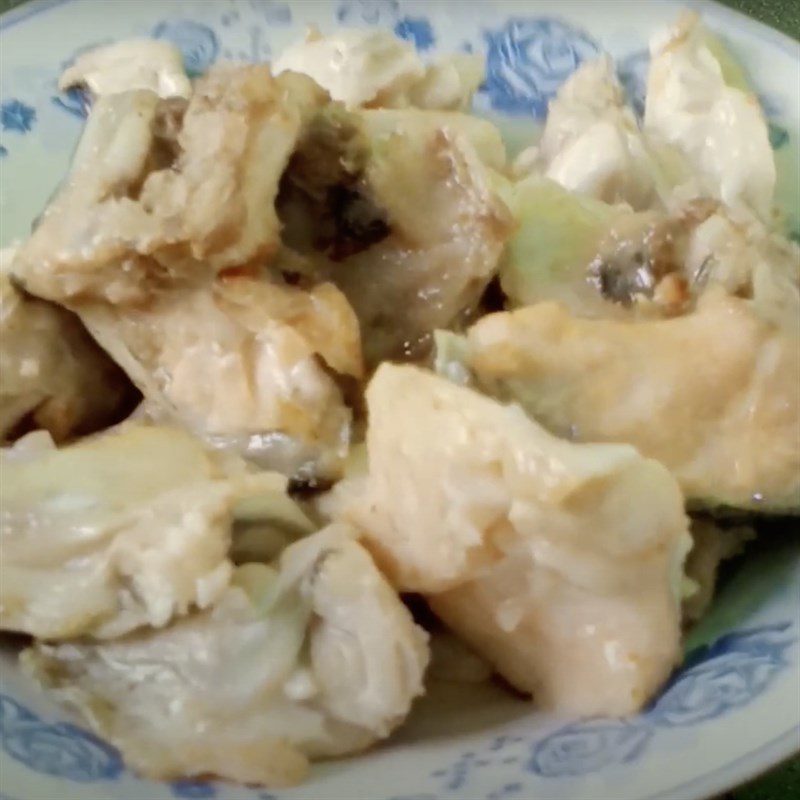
(528, 59)
(417, 30)
(585, 747)
(371, 12)
(13, 713)
(501, 742)
(723, 676)
(75, 101)
(17, 116)
(505, 791)
(632, 71)
(198, 789)
(197, 42)
(778, 135)
(272, 11)
(61, 750)
(456, 775)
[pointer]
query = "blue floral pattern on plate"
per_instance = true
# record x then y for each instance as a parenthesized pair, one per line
(417, 30)
(197, 42)
(273, 12)
(529, 58)
(17, 116)
(369, 12)
(59, 749)
(587, 747)
(726, 675)
(193, 789)
(714, 680)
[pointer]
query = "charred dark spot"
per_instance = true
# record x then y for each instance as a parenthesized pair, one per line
(323, 200)
(620, 283)
(308, 486)
(631, 263)
(355, 221)
(292, 278)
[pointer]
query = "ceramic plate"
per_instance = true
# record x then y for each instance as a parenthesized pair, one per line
(734, 707)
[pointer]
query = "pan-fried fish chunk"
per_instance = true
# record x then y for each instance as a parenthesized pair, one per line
(130, 64)
(52, 375)
(127, 529)
(714, 394)
(592, 143)
(374, 68)
(159, 242)
(242, 361)
(313, 656)
(698, 103)
(162, 192)
(412, 229)
(559, 563)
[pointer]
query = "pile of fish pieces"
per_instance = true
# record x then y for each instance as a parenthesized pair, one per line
(243, 254)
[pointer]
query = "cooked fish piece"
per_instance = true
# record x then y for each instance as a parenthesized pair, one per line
(448, 232)
(314, 656)
(242, 362)
(374, 68)
(86, 241)
(734, 250)
(127, 65)
(52, 374)
(604, 260)
(123, 530)
(159, 241)
(412, 231)
(355, 66)
(164, 193)
(698, 102)
(592, 144)
(449, 83)
(560, 564)
(380, 125)
(239, 131)
(714, 395)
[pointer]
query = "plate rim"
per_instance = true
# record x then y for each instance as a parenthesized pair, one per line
(773, 753)
(785, 41)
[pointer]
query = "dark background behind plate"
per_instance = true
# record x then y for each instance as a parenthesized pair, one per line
(782, 783)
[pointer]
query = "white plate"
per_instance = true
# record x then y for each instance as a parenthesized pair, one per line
(734, 708)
